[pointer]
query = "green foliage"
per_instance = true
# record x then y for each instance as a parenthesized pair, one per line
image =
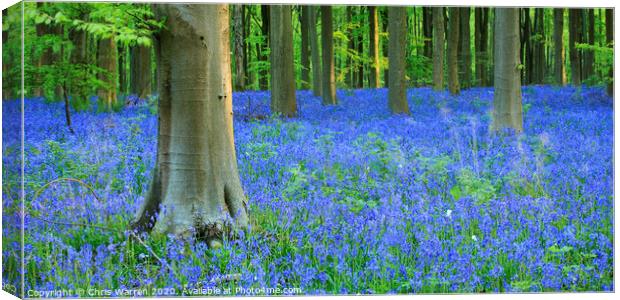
(481, 190)
(603, 61)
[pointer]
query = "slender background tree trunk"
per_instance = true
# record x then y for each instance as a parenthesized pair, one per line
(438, 48)
(107, 61)
(305, 46)
(373, 47)
(453, 42)
(315, 52)
(465, 45)
(397, 30)
(282, 67)
(329, 75)
(558, 42)
(574, 34)
(238, 31)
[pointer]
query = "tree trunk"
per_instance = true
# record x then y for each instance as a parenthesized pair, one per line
(141, 71)
(507, 110)
(78, 57)
(41, 30)
(427, 28)
(588, 55)
(453, 42)
(574, 35)
(239, 46)
(539, 47)
(6, 67)
(262, 75)
(58, 58)
(305, 47)
(384, 24)
(327, 39)
(315, 49)
(282, 66)
(373, 48)
(609, 34)
(526, 47)
(195, 180)
(465, 42)
(438, 48)
(350, 74)
(107, 61)
(397, 47)
(558, 42)
(122, 69)
(481, 43)
(359, 41)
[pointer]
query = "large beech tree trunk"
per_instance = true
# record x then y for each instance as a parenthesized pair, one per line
(558, 43)
(453, 54)
(106, 60)
(141, 71)
(397, 48)
(507, 109)
(282, 66)
(438, 48)
(238, 31)
(373, 37)
(315, 52)
(195, 180)
(327, 40)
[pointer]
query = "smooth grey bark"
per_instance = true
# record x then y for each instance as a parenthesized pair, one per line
(438, 48)
(397, 48)
(195, 181)
(327, 41)
(373, 48)
(465, 45)
(558, 43)
(239, 46)
(453, 54)
(315, 52)
(507, 108)
(305, 47)
(282, 66)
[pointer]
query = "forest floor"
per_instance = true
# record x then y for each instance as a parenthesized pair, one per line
(343, 199)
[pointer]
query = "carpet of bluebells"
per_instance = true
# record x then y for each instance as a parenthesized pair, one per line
(344, 199)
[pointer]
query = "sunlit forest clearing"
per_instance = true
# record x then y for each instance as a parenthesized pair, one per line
(194, 150)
